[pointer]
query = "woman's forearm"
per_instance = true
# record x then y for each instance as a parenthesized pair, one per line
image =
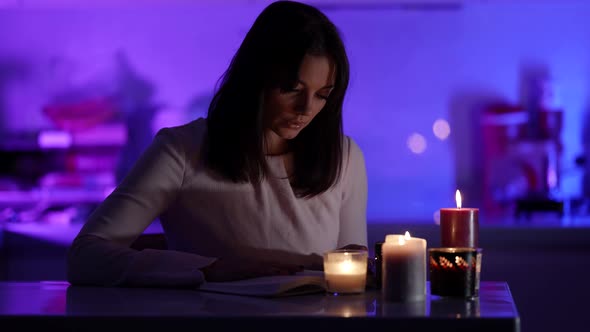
(95, 261)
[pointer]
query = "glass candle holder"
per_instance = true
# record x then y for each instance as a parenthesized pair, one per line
(345, 271)
(454, 272)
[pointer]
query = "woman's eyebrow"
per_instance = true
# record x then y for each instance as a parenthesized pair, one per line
(329, 86)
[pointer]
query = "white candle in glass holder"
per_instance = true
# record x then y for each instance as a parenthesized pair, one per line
(345, 271)
(404, 268)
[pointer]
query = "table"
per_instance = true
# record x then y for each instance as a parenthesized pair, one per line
(56, 305)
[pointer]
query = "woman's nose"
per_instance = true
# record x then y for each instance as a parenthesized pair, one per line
(304, 105)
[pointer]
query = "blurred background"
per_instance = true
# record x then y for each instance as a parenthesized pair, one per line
(491, 97)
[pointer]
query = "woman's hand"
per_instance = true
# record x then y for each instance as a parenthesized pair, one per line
(355, 247)
(237, 268)
(272, 263)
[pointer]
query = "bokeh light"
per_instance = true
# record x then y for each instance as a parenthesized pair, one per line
(416, 143)
(441, 129)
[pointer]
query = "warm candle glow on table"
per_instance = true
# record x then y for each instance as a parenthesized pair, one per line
(345, 271)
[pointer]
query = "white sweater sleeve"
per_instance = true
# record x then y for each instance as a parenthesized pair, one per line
(101, 253)
(353, 211)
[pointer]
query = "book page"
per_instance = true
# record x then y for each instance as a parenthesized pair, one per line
(271, 286)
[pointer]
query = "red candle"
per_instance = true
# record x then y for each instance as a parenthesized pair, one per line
(459, 226)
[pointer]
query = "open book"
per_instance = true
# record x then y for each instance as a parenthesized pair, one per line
(272, 286)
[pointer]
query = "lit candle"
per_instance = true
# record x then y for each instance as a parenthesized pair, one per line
(345, 271)
(459, 226)
(404, 268)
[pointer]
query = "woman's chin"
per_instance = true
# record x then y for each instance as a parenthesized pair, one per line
(289, 133)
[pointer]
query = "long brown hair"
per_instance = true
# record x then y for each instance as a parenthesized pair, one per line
(270, 56)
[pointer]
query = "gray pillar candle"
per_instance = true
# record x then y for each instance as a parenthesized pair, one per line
(459, 227)
(404, 269)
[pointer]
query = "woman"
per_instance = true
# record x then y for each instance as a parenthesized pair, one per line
(264, 185)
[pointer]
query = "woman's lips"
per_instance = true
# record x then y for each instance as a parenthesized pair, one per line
(295, 124)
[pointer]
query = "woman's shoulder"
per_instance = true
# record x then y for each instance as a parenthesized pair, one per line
(350, 148)
(353, 158)
(194, 128)
(189, 135)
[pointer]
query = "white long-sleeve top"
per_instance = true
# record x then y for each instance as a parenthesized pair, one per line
(205, 217)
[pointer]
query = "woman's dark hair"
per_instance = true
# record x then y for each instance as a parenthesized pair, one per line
(269, 57)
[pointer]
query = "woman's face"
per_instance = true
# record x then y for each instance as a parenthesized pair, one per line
(286, 113)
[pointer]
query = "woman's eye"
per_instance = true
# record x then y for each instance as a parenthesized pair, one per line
(324, 97)
(290, 90)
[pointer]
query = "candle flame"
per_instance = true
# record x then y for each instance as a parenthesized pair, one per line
(407, 236)
(346, 267)
(458, 198)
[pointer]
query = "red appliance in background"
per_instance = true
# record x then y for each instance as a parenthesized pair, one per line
(59, 174)
(521, 160)
(96, 137)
